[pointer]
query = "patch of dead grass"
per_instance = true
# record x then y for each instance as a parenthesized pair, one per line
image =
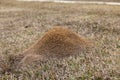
(100, 23)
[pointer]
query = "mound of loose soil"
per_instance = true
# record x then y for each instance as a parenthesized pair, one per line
(58, 42)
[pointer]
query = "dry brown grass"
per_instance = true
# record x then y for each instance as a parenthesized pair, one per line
(19, 29)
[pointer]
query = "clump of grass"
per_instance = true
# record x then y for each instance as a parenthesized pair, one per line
(5, 64)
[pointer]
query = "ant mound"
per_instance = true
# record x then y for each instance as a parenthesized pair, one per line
(59, 42)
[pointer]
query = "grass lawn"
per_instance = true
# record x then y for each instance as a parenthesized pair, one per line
(23, 23)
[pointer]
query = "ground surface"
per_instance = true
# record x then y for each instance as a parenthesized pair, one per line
(21, 24)
(80, 0)
(98, 0)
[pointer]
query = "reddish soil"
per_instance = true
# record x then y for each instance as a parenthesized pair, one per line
(59, 42)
